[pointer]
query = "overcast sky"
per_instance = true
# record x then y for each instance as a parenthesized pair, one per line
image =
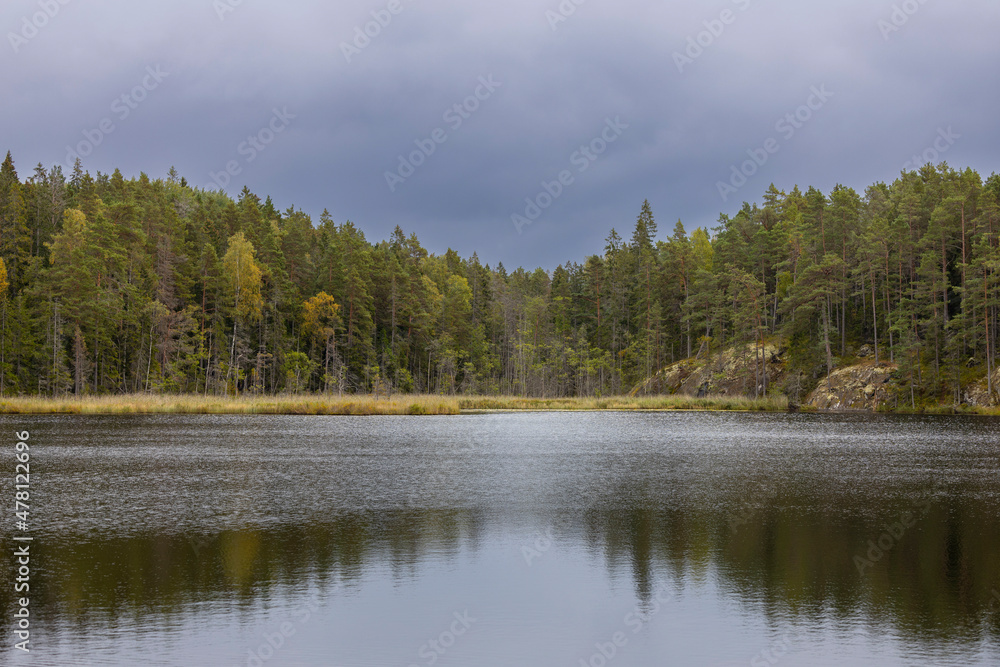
(662, 117)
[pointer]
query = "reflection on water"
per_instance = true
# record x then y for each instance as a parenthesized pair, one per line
(530, 539)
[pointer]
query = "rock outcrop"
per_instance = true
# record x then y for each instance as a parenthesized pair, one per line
(864, 386)
(738, 371)
(978, 394)
(748, 370)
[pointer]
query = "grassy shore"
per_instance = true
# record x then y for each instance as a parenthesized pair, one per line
(952, 410)
(222, 405)
(736, 403)
(367, 405)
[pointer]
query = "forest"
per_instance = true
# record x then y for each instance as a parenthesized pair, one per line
(114, 286)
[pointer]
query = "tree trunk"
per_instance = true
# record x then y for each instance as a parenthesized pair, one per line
(989, 351)
(826, 337)
(874, 313)
(232, 363)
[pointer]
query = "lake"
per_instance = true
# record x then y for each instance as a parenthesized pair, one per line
(576, 539)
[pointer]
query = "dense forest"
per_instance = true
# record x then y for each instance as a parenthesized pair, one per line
(110, 285)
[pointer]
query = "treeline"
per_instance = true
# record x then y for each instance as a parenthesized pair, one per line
(118, 286)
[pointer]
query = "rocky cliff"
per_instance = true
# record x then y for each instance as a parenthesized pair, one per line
(978, 394)
(864, 386)
(737, 371)
(750, 370)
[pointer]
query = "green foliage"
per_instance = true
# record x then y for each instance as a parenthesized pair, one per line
(118, 286)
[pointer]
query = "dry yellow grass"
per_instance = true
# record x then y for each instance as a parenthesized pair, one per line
(366, 405)
(215, 405)
(735, 403)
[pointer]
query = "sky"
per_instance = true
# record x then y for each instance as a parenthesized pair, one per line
(523, 130)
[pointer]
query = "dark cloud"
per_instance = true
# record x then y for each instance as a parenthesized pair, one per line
(893, 92)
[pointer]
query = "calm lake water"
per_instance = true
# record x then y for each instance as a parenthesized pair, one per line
(601, 539)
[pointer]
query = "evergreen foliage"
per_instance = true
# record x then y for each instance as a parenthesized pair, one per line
(114, 286)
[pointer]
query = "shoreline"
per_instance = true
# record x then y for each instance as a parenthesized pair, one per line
(414, 405)
(369, 405)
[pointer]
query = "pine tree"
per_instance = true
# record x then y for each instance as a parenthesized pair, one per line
(15, 239)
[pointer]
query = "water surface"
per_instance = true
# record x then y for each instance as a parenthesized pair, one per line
(510, 539)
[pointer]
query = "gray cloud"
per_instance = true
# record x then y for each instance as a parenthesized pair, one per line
(353, 120)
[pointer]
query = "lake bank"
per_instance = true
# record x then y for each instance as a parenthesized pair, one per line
(369, 405)
(404, 404)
